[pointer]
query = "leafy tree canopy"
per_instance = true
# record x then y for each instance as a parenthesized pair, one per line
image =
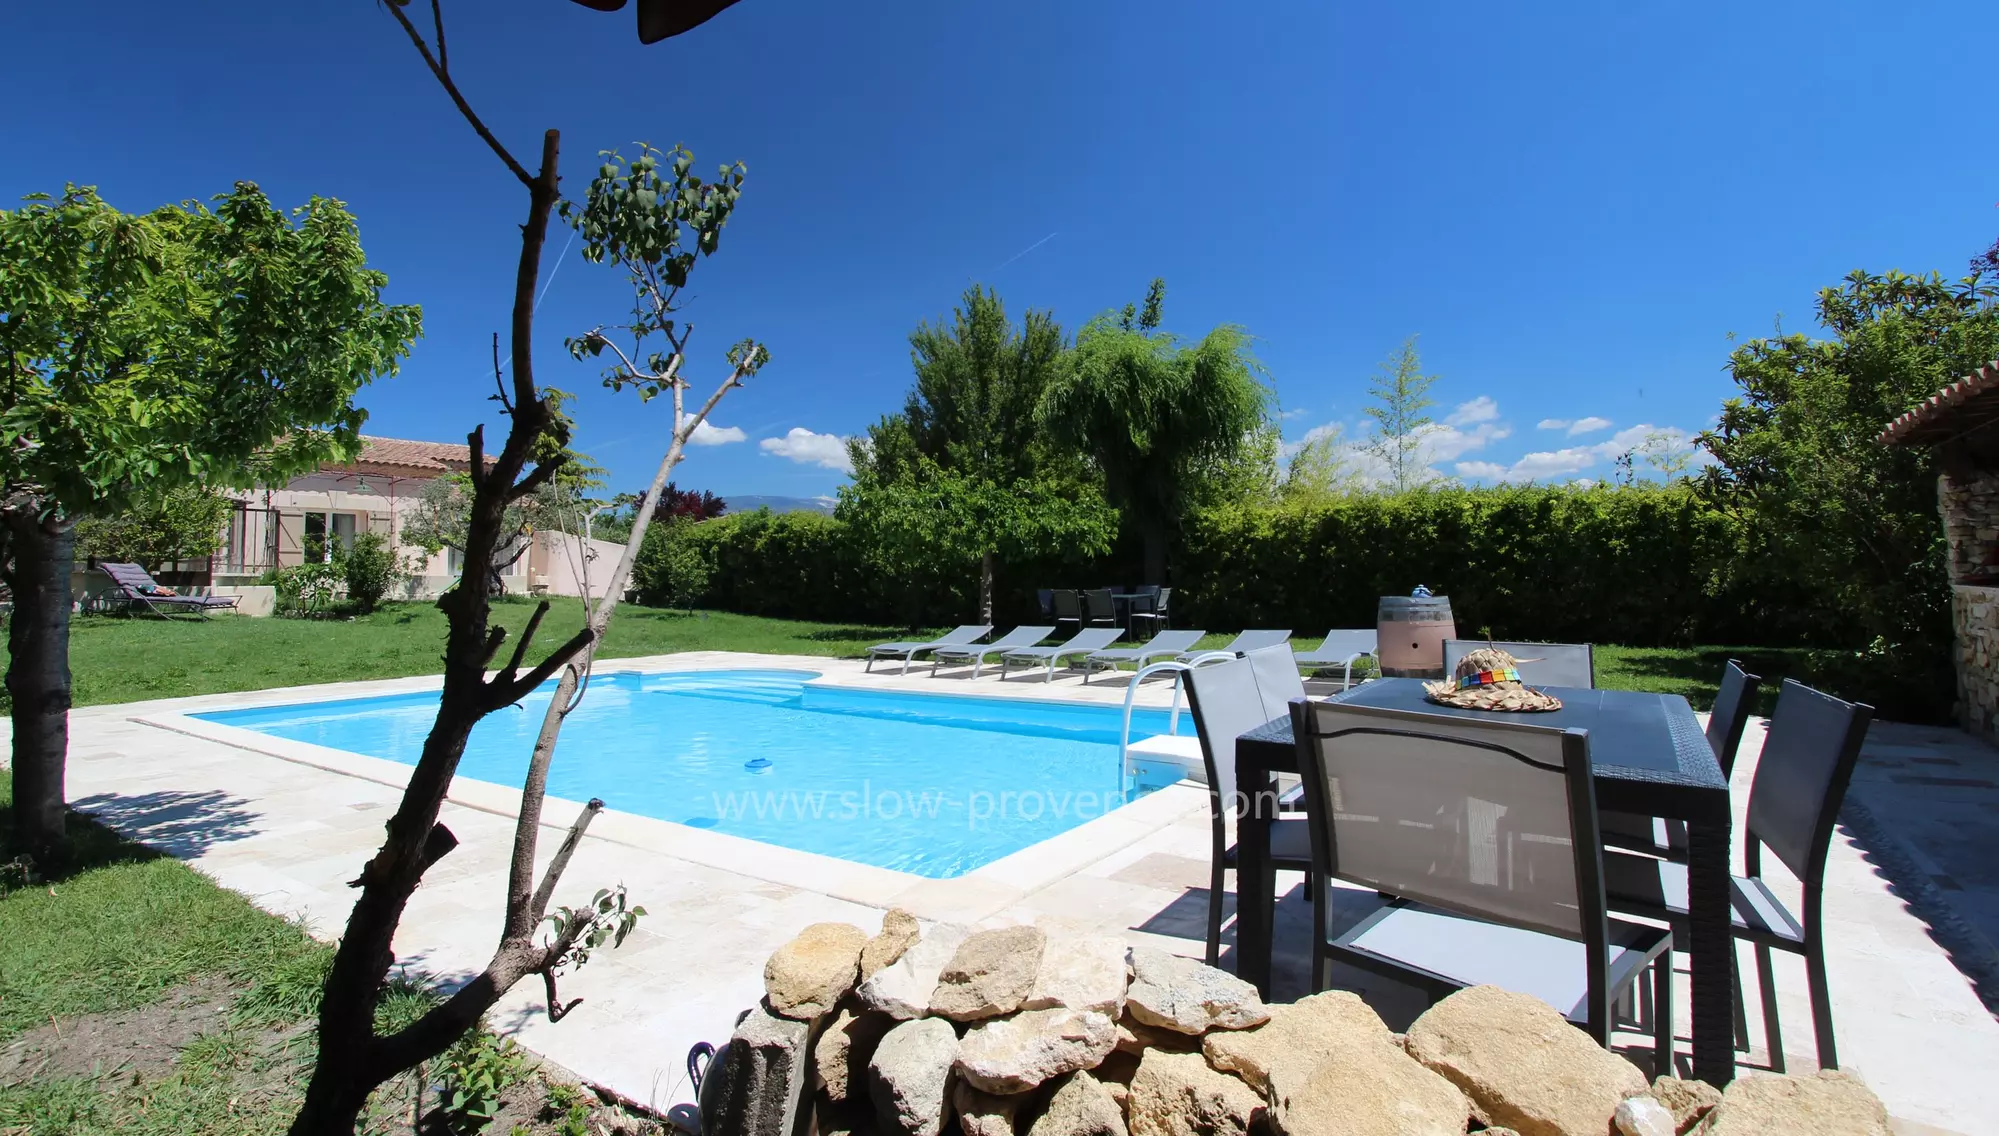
(188, 345)
(946, 521)
(1795, 453)
(187, 522)
(1156, 414)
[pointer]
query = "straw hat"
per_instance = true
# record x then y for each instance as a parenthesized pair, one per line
(1486, 679)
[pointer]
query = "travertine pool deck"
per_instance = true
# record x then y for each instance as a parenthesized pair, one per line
(288, 824)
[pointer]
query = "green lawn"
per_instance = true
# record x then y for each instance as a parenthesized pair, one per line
(118, 658)
(124, 659)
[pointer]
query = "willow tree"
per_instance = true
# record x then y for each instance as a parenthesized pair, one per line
(187, 346)
(1156, 414)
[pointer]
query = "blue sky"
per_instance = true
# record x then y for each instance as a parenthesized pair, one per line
(1573, 205)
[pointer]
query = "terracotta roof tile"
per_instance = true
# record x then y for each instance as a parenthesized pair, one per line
(440, 457)
(1962, 406)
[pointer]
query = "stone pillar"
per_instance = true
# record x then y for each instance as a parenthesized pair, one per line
(1975, 615)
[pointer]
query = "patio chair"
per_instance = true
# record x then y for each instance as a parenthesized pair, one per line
(909, 649)
(1082, 643)
(976, 653)
(1808, 759)
(1484, 832)
(1340, 649)
(1244, 643)
(1226, 701)
(1044, 602)
(141, 590)
(1541, 664)
(1165, 645)
(1158, 614)
(1068, 608)
(1667, 839)
(1099, 610)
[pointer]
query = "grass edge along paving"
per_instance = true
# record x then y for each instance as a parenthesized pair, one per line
(127, 659)
(135, 937)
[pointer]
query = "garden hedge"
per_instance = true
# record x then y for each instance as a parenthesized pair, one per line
(1634, 565)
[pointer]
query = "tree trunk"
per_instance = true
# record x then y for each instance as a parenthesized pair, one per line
(352, 1060)
(1154, 534)
(986, 586)
(43, 551)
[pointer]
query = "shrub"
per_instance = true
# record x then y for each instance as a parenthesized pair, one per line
(671, 570)
(370, 570)
(306, 589)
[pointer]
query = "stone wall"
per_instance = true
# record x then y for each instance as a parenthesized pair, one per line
(1969, 503)
(1012, 1031)
(1975, 613)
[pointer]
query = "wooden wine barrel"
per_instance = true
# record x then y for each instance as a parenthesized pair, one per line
(1410, 633)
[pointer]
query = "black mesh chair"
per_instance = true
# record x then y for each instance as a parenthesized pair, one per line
(1801, 778)
(1667, 839)
(1155, 611)
(1067, 608)
(1226, 701)
(1044, 602)
(1099, 610)
(1541, 664)
(1485, 835)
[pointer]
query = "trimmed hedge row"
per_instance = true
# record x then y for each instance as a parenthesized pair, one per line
(1640, 566)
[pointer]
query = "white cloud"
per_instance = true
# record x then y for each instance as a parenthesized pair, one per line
(1552, 424)
(1294, 412)
(706, 433)
(1446, 443)
(1480, 409)
(1545, 464)
(807, 448)
(1588, 426)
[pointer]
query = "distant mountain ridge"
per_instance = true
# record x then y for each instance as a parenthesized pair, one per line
(750, 503)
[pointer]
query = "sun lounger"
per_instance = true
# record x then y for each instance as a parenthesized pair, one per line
(1165, 645)
(977, 652)
(1340, 649)
(140, 589)
(1243, 644)
(1085, 641)
(959, 637)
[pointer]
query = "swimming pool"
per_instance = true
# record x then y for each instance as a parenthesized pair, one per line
(932, 784)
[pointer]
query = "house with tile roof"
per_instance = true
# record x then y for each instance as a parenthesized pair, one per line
(280, 526)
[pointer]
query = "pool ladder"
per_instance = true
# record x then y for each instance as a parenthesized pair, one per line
(1179, 671)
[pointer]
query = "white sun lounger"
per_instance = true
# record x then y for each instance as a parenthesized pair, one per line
(976, 653)
(969, 633)
(1341, 649)
(1244, 643)
(1165, 645)
(1085, 641)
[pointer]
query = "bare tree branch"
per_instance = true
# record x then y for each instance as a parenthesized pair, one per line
(506, 694)
(475, 442)
(451, 88)
(538, 906)
(499, 385)
(437, 21)
(557, 1009)
(537, 477)
(527, 636)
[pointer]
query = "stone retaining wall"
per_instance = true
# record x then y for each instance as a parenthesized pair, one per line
(1013, 1032)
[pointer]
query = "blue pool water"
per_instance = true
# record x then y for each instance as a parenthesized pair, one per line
(932, 784)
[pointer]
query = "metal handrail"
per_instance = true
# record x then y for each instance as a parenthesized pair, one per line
(1179, 669)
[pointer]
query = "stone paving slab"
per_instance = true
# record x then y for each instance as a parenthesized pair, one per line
(290, 834)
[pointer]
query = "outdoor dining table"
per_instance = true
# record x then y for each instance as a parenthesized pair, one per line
(1649, 756)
